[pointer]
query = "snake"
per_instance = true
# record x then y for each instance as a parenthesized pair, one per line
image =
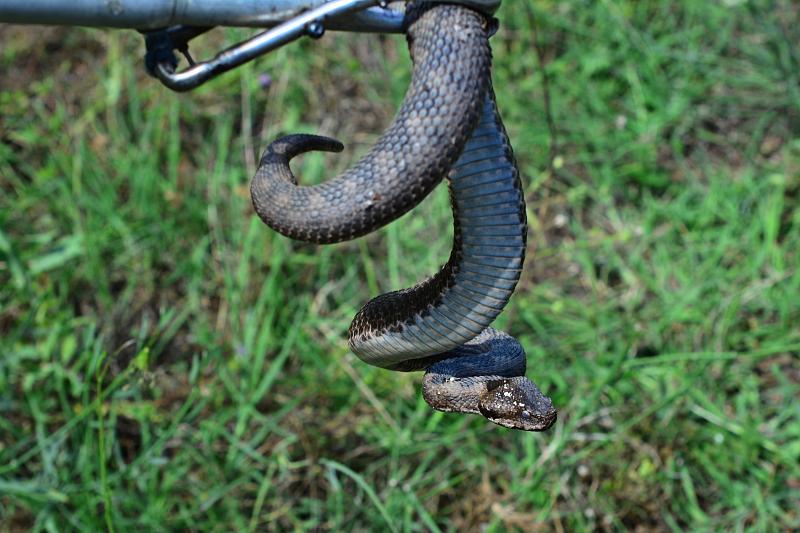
(447, 127)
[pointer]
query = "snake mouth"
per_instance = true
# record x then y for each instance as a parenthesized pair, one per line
(517, 403)
(534, 423)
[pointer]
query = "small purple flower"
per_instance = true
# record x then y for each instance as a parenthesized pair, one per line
(264, 81)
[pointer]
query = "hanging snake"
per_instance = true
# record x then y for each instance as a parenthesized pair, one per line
(448, 127)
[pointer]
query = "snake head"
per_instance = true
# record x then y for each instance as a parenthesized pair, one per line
(517, 403)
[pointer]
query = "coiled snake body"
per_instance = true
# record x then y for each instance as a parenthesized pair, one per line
(448, 125)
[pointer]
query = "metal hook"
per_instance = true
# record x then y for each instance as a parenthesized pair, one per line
(311, 23)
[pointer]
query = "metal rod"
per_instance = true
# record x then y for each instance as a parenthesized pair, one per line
(154, 14)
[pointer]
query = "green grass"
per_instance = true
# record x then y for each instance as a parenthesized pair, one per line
(169, 363)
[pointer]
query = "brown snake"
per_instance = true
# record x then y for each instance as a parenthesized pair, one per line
(448, 126)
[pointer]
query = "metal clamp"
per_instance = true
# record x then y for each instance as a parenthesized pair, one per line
(347, 15)
(311, 23)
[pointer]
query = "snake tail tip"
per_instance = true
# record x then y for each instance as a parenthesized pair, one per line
(295, 144)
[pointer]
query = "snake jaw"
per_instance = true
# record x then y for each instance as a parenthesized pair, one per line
(517, 403)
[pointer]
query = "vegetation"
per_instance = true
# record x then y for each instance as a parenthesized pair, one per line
(169, 363)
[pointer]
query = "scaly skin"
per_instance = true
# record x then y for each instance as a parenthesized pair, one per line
(440, 325)
(451, 57)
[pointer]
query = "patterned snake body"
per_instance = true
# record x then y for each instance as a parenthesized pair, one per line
(441, 324)
(484, 267)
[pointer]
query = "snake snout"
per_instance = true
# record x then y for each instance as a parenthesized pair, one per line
(517, 403)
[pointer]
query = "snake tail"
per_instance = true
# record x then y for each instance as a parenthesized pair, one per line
(451, 58)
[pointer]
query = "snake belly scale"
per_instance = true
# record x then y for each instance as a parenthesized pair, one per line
(440, 325)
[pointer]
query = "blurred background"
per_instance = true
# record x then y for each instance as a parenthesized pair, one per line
(170, 363)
